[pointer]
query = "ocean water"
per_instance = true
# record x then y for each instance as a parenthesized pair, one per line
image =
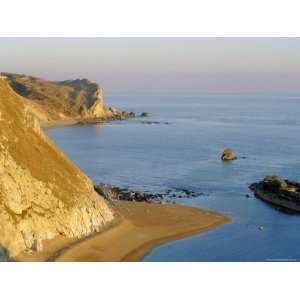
(185, 154)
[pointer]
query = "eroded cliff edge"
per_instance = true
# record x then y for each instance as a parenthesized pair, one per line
(42, 194)
(79, 99)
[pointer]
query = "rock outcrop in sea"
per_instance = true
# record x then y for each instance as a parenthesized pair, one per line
(228, 155)
(277, 191)
(145, 114)
(42, 194)
(79, 99)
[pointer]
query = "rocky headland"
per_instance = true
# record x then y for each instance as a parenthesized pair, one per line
(56, 103)
(279, 192)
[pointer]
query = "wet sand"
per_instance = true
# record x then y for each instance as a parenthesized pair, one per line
(140, 228)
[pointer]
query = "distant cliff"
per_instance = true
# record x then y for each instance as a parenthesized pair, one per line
(61, 100)
(42, 194)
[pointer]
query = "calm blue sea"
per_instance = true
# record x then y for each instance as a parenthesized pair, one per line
(185, 154)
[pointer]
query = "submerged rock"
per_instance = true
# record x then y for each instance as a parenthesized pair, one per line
(228, 155)
(146, 114)
(154, 123)
(279, 192)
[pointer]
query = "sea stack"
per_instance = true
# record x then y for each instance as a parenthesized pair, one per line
(42, 194)
(228, 155)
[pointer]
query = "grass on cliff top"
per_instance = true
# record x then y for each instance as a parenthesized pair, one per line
(34, 153)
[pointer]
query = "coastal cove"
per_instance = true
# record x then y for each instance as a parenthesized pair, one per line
(181, 149)
(139, 228)
(49, 206)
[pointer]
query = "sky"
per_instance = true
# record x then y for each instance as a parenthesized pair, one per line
(161, 65)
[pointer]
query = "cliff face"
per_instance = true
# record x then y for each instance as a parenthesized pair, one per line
(42, 194)
(51, 100)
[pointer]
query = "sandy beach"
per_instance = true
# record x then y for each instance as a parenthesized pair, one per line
(59, 123)
(140, 228)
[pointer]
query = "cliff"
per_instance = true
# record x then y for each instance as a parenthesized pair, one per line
(42, 194)
(61, 100)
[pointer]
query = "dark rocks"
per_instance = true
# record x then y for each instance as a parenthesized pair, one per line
(228, 155)
(127, 115)
(279, 192)
(117, 115)
(146, 114)
(155, 123)
(115, 193)
(113, 110)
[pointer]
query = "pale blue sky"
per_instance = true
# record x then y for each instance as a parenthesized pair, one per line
(162, 65)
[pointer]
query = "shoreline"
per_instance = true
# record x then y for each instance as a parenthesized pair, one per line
(58, 123)
(71, 122)
(138, 229)
(79, 121)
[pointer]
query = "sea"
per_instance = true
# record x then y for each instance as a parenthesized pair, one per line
(180, 145)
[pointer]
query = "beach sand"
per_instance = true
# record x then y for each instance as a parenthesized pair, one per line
(59, 123)
(140, 228)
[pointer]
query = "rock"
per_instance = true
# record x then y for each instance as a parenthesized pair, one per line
(37, 245)
(154, 123)
(146, 114)
(111, 193)
(228, 155)
(131, 195)
(42, 194)
(113, 110)
(4, 254)
(279, 192)
(107, 192)
(275, 183)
